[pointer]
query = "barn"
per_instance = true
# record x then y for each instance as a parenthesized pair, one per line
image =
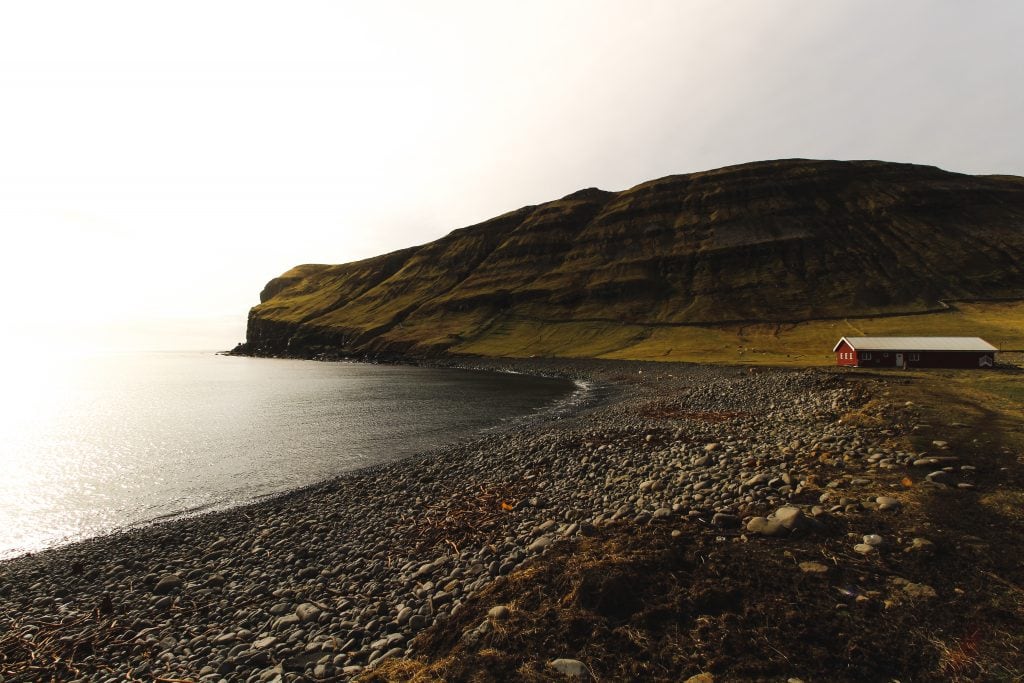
(915, 352)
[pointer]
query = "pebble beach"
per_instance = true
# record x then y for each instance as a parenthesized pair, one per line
(328, 582)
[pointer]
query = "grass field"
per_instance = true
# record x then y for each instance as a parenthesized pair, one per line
(808, 343)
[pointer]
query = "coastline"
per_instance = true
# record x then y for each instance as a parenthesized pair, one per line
(589, 392)
(205, 443)
(132, 560)
(336, 580)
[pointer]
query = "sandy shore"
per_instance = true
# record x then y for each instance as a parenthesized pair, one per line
(322, 583)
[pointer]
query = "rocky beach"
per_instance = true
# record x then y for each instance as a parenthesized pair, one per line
(381, 573)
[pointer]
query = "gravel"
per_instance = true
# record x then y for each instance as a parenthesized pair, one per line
(321, 583)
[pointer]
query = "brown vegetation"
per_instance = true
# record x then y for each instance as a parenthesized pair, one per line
(666, 601)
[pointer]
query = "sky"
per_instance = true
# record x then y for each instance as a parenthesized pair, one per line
(160, 162)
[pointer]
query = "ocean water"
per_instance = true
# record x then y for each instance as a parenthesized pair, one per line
(95, 443)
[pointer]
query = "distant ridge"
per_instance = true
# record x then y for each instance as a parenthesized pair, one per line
(769, 241)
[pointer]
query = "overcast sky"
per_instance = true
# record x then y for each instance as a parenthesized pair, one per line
(159, 162)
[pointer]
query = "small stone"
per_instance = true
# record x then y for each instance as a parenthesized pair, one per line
(546, 526)
(710, 447)
(725, 520)
(873, 539)
(767, 527)
(498, 612)
(791, 518)
(941, 477)
(886, 503)
(167, 583)
(756, 479)
(264, 643)
(573, 668)
(700, 678)
(919, 545)
(307, 611)
(756, 524)
(864, 548)
(940, 444)
(539, 544)
(816, 568)
(286, 621)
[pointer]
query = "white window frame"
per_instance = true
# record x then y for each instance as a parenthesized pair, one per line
(914, 356)
(865, 355)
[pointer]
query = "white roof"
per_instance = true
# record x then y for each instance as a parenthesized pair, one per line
(916, 344)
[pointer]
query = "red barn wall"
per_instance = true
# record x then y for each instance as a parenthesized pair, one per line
(845, 355)
(927, 359)
(876, 359)
(952, 359)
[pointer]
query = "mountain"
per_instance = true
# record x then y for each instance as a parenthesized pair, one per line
(774, 241)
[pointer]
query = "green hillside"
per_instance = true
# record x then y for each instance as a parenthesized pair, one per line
(683, 267)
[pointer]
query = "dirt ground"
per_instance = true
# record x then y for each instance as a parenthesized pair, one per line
(664, 602)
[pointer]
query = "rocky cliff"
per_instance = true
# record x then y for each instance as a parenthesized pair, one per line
(770, 241)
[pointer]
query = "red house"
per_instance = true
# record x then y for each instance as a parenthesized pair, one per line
(915, 352)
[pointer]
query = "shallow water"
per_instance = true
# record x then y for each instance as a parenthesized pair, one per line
(91, 444)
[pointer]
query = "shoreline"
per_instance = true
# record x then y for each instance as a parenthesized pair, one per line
(333, 581)
(557, 406)
(600, 392)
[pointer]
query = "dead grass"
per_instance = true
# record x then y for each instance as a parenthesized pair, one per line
(1010, 503)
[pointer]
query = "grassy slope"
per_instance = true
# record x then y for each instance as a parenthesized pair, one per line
(607, 274)
(807, 343)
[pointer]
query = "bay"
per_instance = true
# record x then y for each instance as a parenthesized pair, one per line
(94, 443)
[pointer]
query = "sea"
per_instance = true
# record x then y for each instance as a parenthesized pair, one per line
(95, 443)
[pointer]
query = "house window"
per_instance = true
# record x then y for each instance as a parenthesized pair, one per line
(865, 356)
(915, 356)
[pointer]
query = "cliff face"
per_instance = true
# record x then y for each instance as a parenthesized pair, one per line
(770, 241)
